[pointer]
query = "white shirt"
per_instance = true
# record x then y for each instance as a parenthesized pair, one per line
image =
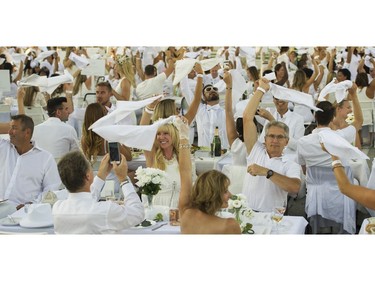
(151, 87)
(81, 213)
(261, 192)
(56, 137)
(296, 128)
(207, 118)
(309, 151)
(238, 151)
(27, 175)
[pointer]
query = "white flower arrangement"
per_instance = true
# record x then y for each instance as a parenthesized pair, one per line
(237, 205)
(150, 179)
(350, 118)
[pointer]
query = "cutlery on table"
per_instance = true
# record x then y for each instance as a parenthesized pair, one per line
(155, 228)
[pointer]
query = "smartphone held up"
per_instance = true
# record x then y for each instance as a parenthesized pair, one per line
(114, 152)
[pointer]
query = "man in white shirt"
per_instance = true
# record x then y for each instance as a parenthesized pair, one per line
(81, 213)
(103, 95)
(213, 77)
(53, 64)
(53, 134)
(331, 211)
(293, 120)
(270, 176)
(153, 84)
(209, 114)
(27, 170)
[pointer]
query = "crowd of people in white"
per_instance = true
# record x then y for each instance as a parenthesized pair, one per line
(272, 107)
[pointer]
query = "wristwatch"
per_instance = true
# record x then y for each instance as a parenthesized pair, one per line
(269, 174)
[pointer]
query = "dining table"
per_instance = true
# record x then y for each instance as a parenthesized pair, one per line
(262, 224)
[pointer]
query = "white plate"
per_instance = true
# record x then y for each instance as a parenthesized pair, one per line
(8, 222)
(26, 224)
(140, 226)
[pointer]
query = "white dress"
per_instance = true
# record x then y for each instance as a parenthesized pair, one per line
(131, 119)
(169, 193)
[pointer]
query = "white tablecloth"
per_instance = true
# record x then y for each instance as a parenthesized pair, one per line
(290, 225)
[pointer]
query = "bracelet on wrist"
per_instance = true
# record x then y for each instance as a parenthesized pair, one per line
(149, 111)
(200, 75)
(337, 166)
(262, 90)
(126, 181)
(336, 162)
(184, 146)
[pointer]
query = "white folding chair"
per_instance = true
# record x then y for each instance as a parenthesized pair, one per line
(36, 113)
(236, 175)
(89, 98)
(5, 113)
(368, 119)
(326, 206)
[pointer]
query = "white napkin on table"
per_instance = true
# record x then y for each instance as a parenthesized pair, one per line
(338, 146)
(123, 109)
(338, 88)
(136, 136)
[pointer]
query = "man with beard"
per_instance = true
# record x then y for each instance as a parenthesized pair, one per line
(209, 114)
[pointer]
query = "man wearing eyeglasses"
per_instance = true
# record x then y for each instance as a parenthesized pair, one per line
(294, 121)
(270, 176)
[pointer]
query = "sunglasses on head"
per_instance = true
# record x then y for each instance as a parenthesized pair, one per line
(209, 88)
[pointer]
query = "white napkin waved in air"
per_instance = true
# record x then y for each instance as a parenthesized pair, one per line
(46, 84)
(44, 55)
(123, 109)
(238, 85)
(80, 62)
(136, 136)
(338, 146)
(338, 88)
(183, 68)
(286, 94)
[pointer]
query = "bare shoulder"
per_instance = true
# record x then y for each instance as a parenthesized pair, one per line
(195, 221)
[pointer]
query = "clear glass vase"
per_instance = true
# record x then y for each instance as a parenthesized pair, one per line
(149, 200)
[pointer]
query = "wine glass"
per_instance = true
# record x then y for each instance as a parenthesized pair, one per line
(278, 211)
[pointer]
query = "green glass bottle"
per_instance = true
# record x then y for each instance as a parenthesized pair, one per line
(216, 143)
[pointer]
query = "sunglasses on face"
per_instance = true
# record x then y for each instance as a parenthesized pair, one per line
(210, 88)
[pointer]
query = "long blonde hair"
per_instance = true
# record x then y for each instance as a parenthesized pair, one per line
(159, 160)
(126, 68)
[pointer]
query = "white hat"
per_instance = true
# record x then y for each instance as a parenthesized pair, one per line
(39, 215)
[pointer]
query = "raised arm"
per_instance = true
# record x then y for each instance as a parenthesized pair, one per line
(360, 194)
(313, 76)
(125, 90)
(20, 97)
(249, 127)
(184, 164)
(229, 117)
(138, 66)
(358, 116)
(194, 105)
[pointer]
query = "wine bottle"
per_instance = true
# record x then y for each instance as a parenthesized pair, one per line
(216, 143)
